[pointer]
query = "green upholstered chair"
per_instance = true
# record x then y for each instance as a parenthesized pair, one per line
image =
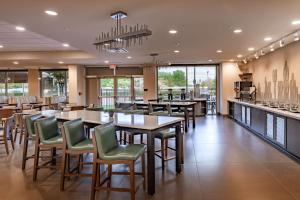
(29, 135)
(6, 133)
(108, 151)
(75, 143)
(47, 137)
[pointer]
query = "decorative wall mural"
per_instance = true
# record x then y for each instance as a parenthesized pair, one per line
(285, 91)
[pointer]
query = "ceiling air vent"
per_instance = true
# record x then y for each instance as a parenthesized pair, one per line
(116, 50)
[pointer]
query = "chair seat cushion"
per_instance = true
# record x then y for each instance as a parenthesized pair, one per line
(168, 133)
(55, 140)
(86, 144)
(125, 152)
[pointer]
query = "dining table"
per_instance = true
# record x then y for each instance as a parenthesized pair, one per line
(146, 124)
(188, 107)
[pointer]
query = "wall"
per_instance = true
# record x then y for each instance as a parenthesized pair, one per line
(277, 75)
(150, 82)
(228, 75)
(77, 85)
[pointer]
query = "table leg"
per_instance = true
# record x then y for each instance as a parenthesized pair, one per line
(150, 164)
(178, 148)
(186, 118)
(194, 117)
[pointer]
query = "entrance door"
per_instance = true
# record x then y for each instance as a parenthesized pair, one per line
(107, 91)
(124, 91)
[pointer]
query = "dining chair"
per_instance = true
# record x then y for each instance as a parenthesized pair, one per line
(107, 151)
(30, 135)
(48, 137)
(5, 113)
(6, 134)
(19, 127)
(75, 142)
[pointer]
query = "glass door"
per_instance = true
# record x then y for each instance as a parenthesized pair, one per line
(124, 91)
(107, 91)
(138, 88)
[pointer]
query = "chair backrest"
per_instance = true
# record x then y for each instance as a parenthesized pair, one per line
(47, 128)
(106, 138)
(9, 126)
(29, 123)
(74, 132)
(6, 112)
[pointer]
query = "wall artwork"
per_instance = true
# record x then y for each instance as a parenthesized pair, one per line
(283, 91)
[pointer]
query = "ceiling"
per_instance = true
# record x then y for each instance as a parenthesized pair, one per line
(203, 27)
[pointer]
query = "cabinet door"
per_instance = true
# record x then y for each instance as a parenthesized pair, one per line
(237, 112)
(270, 126)
(258, 120)
(248, 116)
(280, 130)
(293, 136)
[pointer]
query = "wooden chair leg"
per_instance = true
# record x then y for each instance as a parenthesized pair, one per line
(79, 165)
(109, 175)
(63, 170)
(162, 153)
(6, 145)
(166, 147)
(94, 180)
(132, 180)
(21, 135)
(143, 171)
(36, 161)
(121, 136)
(12, 141)
(25, 148)
(125, 138)
(16, 132)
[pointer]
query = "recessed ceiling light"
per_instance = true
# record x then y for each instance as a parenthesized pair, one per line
(65, 45)
(20, 28)
(251, 49)
(296, 39)
(237, 31)
(173, 31)
(60, 62)
(239, 56)
(106, 61)
(231, 60)
(176, 51)
(1, 46)
(210, 60)
(15, 62)
(51, 12)
(281, 43)
(219, 51)
(272, 49)
(129, 57)
(267, 39)
(295, 22)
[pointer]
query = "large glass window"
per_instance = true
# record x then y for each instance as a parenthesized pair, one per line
(171, 78)
(13, 83)
(199, 79)
(54, 83)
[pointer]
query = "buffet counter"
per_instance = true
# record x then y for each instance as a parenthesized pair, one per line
(278, 127)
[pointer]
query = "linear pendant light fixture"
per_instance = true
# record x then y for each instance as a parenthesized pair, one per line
(121, 36)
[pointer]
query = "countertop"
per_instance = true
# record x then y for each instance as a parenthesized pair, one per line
(268, 109)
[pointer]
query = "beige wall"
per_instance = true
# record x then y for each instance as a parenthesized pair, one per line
(120, 71)
(150, 82)
(33, 82)
(92, 88)
(265, 69)
(228, 75)
(77, 84)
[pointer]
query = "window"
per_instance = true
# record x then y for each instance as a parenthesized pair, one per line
(13, 83)
(120, 89)
(54, 83)
(138, 88)
(199, 79)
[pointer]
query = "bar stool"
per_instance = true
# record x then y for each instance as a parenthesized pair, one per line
(75, 143)
(6, 134)
(48, 137)
(30, 135)
(108, 151)
(19, 127)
